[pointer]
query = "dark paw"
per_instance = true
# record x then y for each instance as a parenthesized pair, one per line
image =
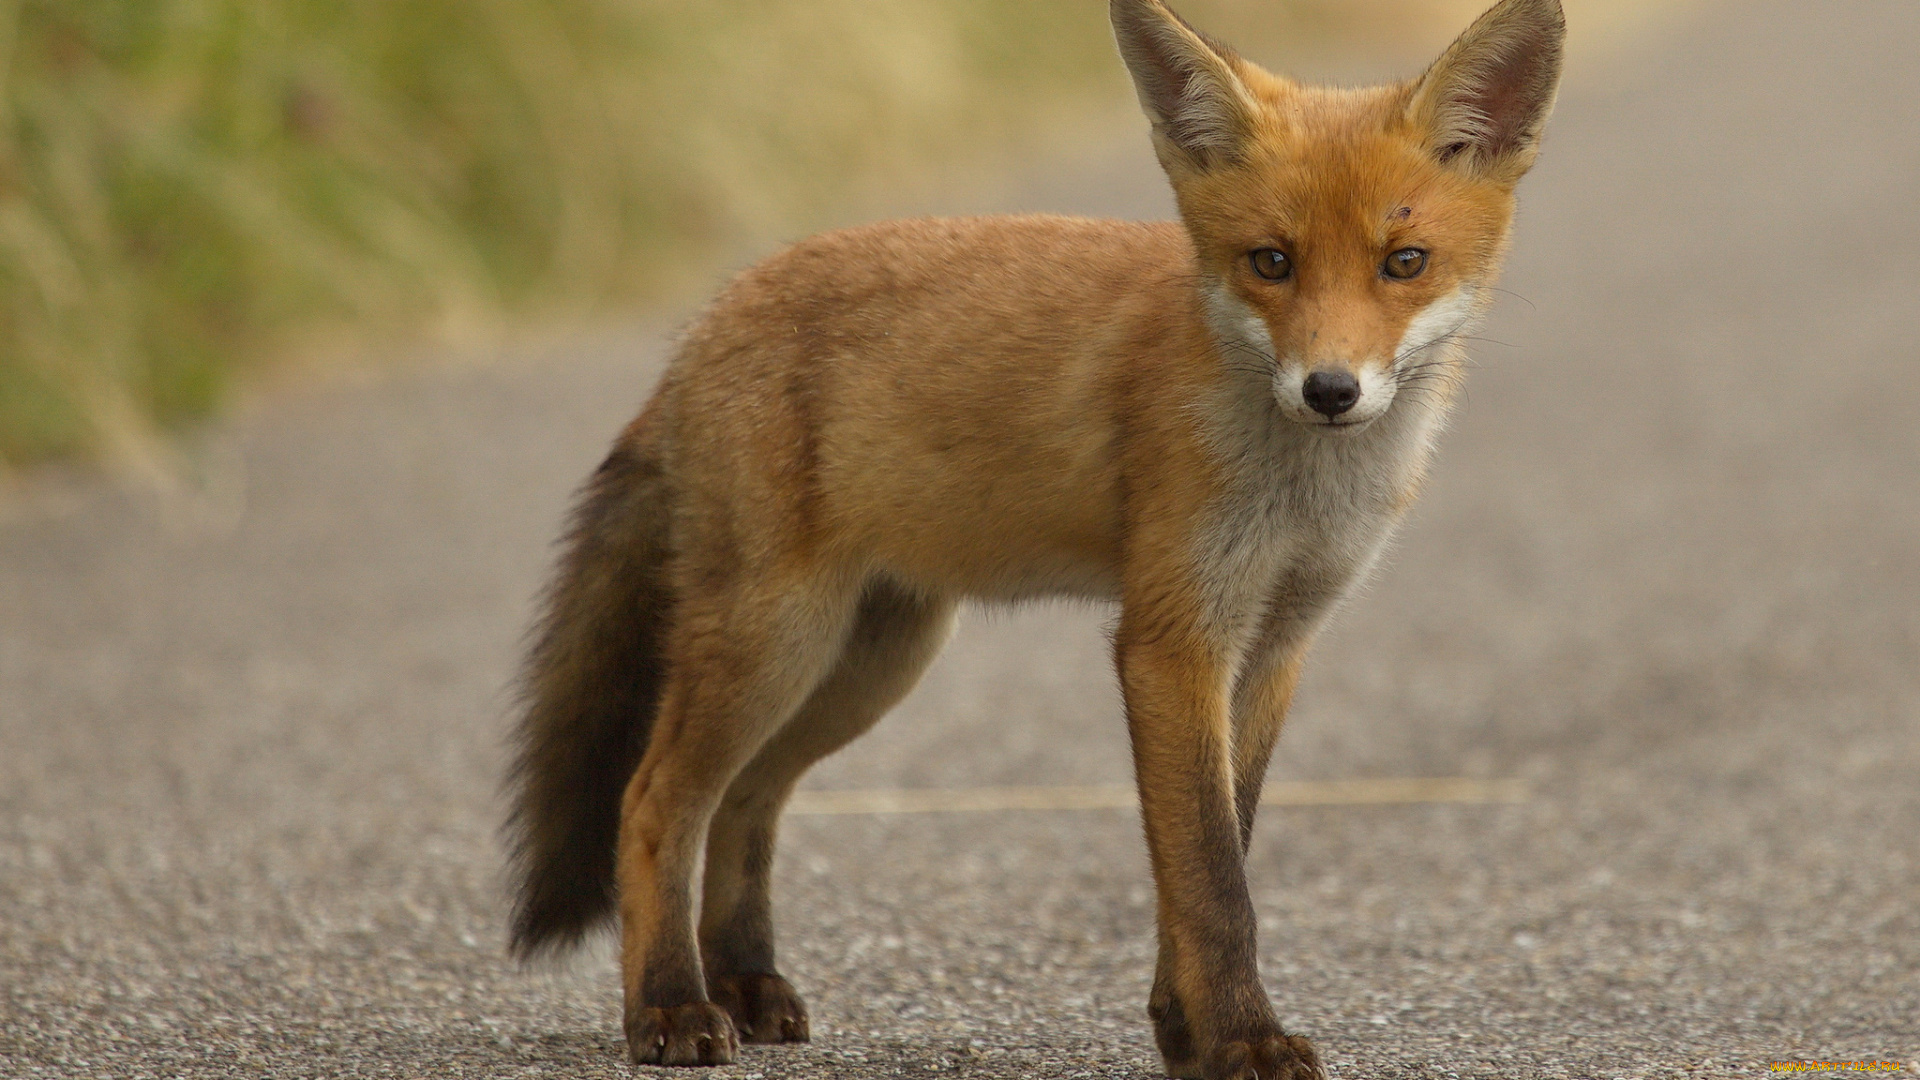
(1272, 1057)
(764, 1007)
(698, 1033)
(1173, 1035)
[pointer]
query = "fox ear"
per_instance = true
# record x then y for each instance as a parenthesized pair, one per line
(1187, 82)
(1484, 103)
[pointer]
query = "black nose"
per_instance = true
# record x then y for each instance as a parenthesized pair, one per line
(1331, 393)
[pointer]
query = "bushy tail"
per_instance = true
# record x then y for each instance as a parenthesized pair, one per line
(590, 688)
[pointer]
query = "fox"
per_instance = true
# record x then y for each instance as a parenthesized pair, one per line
(1215, 422)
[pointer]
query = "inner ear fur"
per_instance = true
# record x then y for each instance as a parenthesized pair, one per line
(1484, 103)
(1188, 83)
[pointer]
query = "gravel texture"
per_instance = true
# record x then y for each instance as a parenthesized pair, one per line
(1668, 572)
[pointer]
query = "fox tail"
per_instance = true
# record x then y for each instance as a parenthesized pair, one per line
(590, 687)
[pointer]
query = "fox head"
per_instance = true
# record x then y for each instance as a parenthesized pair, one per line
(1346, 238)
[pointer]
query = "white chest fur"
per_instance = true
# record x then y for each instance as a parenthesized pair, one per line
(1303, 515)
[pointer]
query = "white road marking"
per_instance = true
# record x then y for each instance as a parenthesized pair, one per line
(1384, 791)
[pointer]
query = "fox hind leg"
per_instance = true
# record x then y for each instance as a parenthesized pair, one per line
(895, 636)
(744, 655)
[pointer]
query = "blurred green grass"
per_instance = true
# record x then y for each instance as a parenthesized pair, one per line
(190, 189)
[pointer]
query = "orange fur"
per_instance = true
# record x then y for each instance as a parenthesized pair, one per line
(877, 423)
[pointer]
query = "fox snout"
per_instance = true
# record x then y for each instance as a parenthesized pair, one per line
(1331, 396)
(1330, 393)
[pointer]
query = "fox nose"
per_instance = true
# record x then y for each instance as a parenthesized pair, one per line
(1331, 393)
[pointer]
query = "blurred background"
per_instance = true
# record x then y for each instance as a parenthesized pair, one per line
(362, 289)
(193, 192)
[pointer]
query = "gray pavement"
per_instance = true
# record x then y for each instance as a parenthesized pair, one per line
(1668, 573)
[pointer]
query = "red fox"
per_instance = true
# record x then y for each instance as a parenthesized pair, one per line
(1215, 422)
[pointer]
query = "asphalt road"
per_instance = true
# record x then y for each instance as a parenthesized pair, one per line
(1668, 574)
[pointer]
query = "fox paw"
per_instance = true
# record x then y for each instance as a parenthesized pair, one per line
(1271, 1057)
(1174, 1036)
(764, 1007)
(697, 1033)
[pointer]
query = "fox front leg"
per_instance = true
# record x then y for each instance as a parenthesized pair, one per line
(1211, 1016)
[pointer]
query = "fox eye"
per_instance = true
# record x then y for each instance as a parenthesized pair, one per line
(1405, 263)
(1272, 264)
